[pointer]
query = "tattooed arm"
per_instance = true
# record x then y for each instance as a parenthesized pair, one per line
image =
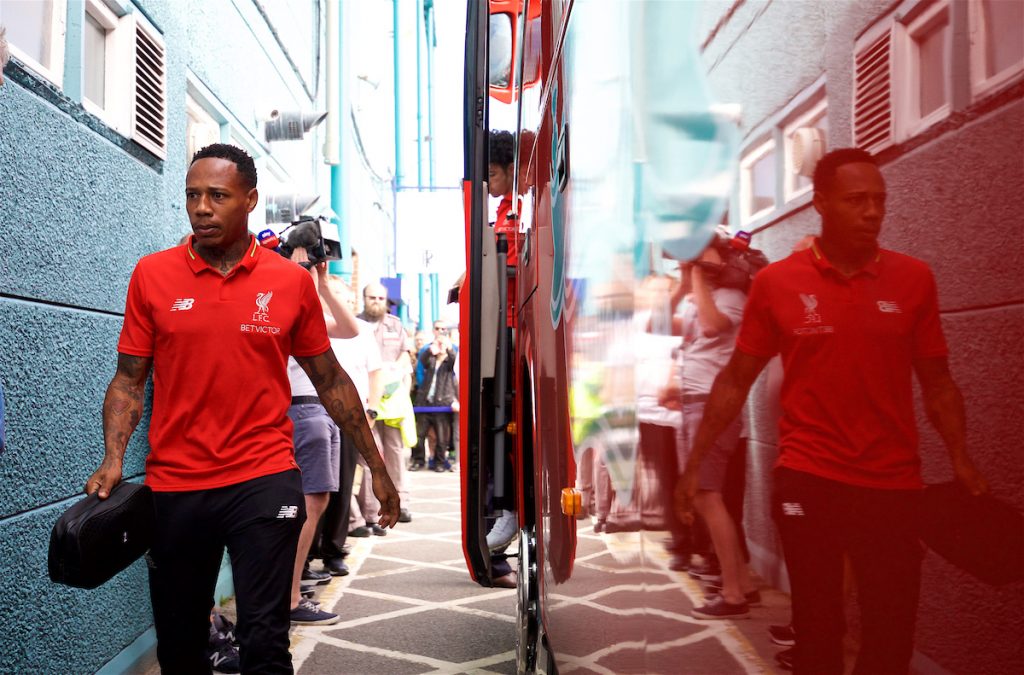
(122, 409)
(341, 399)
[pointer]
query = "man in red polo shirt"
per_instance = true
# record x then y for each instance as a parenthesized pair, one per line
(216, 319)
(852, 322)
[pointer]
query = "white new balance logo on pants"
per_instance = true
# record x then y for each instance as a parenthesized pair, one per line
(288, 512)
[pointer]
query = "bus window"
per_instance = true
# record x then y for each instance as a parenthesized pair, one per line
(500, 50)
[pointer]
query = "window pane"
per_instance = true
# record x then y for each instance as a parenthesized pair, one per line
(28, 27)
(762, 183)
(931, 54)
(500, 48)
(95, 47)
(1004, 28)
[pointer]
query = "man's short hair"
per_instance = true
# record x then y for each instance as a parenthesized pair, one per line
(825, 169)
(501, 148)
(243, 162)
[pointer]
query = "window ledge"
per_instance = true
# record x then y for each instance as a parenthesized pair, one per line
(44, 89)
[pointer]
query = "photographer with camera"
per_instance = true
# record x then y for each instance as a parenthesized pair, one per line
(708, 322)
(317, 440)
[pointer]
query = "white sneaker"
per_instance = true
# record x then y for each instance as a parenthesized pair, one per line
(503, 531)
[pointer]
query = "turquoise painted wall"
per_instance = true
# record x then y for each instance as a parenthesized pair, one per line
(78, 207)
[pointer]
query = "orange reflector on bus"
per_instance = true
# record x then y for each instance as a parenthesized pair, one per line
(511, 428)
(572, 502)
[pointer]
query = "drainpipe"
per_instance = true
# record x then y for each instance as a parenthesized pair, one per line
(403, 309)
(431, 36)
(398, 96)
(334, 136)
(423, 300)
(435, 297)
(419, 95)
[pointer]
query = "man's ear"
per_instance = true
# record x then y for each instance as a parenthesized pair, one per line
(253, 197)
(819, 202)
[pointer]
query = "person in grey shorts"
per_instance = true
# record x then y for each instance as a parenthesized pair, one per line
(708, 322)
(317, 442)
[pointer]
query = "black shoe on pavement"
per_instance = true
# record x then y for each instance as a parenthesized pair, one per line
(377, 530)
(404, 516)
(221, 650)
(416, 465)
(306, 591)
(785, 658)
(784, 636)
(718, 608)
(316, 578)
(224, 658)
(360, 531)
(336, 567)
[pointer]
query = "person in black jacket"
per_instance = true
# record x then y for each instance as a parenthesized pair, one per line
(438, 390)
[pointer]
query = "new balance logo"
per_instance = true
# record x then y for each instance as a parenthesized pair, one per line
(288, 512)
(182, 304)
(792, 509)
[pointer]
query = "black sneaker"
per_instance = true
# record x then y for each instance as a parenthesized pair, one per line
(753, 598)
(718, 608)
(308, 613)
(336, 567)
(221, 652)
(784, 636)
(223, 625)
(224, 659)
(416, 465)
(316, 578)
(360, 531)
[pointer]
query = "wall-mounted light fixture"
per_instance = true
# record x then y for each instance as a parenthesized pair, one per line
(289, 125)
(286, 208)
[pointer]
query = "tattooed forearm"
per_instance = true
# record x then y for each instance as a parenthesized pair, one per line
(122, 406)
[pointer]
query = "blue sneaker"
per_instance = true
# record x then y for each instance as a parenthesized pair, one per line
(309, 613)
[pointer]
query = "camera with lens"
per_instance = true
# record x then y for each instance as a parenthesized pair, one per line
(307, 232)
(739, 262)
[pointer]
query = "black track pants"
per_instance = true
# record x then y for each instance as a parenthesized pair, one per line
(259, 522)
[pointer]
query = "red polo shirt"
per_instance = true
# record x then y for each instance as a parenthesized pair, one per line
(847, 348)
(220, 347)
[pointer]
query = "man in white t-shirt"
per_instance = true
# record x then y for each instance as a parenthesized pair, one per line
(360, 357)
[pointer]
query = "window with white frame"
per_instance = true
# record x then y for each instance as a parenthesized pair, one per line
(903, 74)
(106, 49)
(757, 182)
(805, 135)
(35, 31)
(997, 43)
(201, 128)
(927, 51)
